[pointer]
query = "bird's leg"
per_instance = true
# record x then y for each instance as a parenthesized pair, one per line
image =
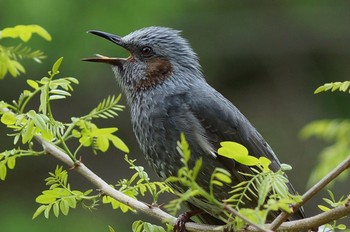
(183, 218)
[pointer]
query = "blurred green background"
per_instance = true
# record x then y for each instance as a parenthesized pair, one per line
(267, 57)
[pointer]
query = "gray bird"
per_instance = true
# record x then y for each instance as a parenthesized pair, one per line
(167, 95)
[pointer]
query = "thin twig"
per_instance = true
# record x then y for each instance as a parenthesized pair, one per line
(312, 192)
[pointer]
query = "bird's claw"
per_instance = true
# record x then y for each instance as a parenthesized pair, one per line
(180, 223)
(182, 219)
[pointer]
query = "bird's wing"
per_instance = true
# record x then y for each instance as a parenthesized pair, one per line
(224, 122)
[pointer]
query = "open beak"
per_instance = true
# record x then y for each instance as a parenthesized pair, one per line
(104, 59)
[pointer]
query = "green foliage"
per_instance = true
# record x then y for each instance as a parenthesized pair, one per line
(270, 188)
(333, 86)
(107, 108)
(333, 203)
(336, 131)
(90, 135)
(140, 226)
(8, 159)
(9, 56)
(138, 184)
(186, 176)
(25, 125)
(59, 198)
(240, 154)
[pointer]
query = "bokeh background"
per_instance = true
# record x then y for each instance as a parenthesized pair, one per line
(267, 57)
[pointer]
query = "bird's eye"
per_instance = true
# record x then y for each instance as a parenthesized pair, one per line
(146, 51)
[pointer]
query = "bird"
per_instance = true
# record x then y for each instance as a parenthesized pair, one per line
(167, 93)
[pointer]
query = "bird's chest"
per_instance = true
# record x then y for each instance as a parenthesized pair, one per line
(154, 126)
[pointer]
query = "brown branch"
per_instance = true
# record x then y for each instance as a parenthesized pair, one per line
(312, 192)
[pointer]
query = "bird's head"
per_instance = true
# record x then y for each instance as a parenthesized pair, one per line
(157, 55)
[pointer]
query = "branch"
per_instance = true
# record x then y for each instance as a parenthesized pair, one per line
(154, 212)
(312, 192)
(159, 214)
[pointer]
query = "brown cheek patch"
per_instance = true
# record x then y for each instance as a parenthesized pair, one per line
(158, 69)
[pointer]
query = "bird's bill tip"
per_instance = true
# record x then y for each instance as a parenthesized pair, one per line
(111, 37)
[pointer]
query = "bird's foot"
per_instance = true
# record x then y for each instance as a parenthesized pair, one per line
(183, 218)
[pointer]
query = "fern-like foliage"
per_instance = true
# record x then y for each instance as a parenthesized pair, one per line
(333, 86)
(107, 108)
(21, 51)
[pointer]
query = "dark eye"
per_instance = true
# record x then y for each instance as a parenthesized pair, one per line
(146, 51)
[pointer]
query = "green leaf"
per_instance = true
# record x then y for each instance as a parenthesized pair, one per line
(102, 143)
(238, 153)
(24, 32)
(56, 97)
(341, 227)
(47, 211)
(18, 66)
(148, 227)
(45, 199)
(223, 178)
(103, 131)
(280, 186)
(11, 162)
(28, 132)
(60, 92)
(57, 65)
(73, 80)
(286, 167)
(137, 226)
(118, 143)
(323, 208)
(3, 171)
(32, 84)
(110, 228)
(8, 118)
(265, 163)
(41, 32)
(217, 183)
(39, 211)
(43, 100)
(56, 209)
(64, 206)
(72, 202)
(76, 134)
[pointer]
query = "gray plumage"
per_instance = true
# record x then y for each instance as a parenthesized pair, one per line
(167, 95)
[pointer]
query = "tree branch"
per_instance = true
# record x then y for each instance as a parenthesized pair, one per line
(312, 192)
(159, 214)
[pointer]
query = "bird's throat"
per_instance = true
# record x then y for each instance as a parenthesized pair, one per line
(158, 69)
